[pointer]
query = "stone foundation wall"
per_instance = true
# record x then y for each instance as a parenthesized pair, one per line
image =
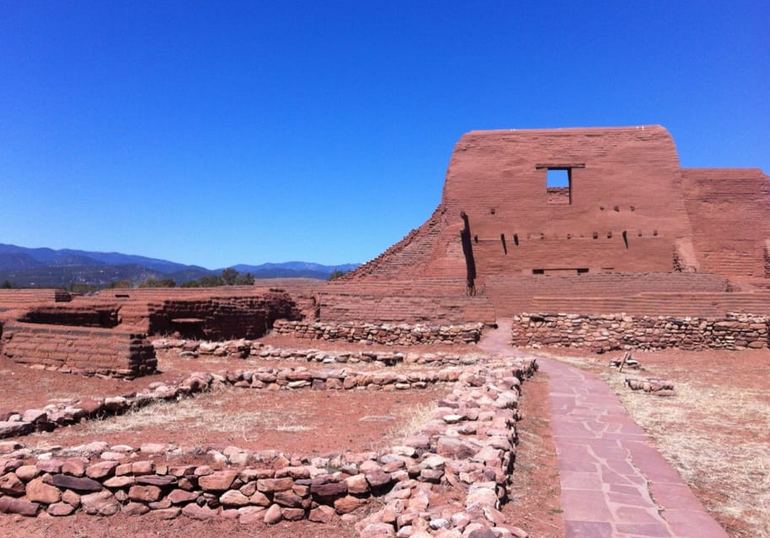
(617, 331)
(55, 415)
(81, 350)
(382, 333)
(254, 349)
(469, 443)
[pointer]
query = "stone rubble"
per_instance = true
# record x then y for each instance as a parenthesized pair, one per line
(659, 386)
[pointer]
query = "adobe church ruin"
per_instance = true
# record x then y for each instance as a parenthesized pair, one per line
(629, 234)
(630, 252)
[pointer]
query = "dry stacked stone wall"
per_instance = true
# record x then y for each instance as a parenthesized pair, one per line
(382, 333)
(56, 415)
(618, 331)
(469, 443)
(79, 350)
(255, 349)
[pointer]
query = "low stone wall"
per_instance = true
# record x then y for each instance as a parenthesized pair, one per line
(254, 349)
(382, 333)
(617, 331)
(80, 350)
(469, 444)
(22, 422)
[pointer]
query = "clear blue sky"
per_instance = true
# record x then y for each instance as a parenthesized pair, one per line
(223, 132)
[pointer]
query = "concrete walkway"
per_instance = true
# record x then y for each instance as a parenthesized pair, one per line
(614, 482)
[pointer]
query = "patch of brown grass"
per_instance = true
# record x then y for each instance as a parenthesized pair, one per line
(205, 412)
(410, 421)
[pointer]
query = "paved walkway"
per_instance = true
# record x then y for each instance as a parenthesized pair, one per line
(614, 483)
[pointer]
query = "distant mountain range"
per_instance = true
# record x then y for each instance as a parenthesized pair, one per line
(45, 267)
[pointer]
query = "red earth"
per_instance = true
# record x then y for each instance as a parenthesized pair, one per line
(305, 422)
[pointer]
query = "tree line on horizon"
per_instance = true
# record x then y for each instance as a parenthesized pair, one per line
(228, 277)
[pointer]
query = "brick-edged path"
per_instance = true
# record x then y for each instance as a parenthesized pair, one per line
(614, 482)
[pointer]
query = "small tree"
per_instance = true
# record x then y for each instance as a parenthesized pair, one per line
(244, 279)
(337, 274)
(158, 283)
(6, 285)
(229, 276)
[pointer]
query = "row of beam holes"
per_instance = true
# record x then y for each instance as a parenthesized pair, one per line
(569, 236)
(617, 208)
(601, 208)
(595, 235)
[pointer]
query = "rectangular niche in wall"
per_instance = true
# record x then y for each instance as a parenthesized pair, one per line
(558, 184)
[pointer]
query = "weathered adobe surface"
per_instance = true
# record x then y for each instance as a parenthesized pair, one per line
(106, 334)
(224, 317)
(729, 211)
(80, 350)
(609, 332)
(469, 444)
(221, 313)
(80, 316)
(633, 211)
(14, 298)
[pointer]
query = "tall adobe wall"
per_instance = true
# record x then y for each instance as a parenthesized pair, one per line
(622, 180)
(633, 230)
(730, 214)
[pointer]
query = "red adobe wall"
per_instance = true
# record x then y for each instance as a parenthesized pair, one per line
(635, 216)
(83, 350)
(224, 317)
(624, 179)
(226, 312)
(729, 210)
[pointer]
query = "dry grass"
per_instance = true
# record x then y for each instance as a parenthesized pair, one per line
(213, 412)
(715, 435)
(410, 421)
(205, 412)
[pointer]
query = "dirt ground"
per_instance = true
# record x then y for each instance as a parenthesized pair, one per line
(534, 504)
(28, 388)
(714, 429)
(119, 526)
(303, 422)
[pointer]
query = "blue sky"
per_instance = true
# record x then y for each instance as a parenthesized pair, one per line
(224, 132)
